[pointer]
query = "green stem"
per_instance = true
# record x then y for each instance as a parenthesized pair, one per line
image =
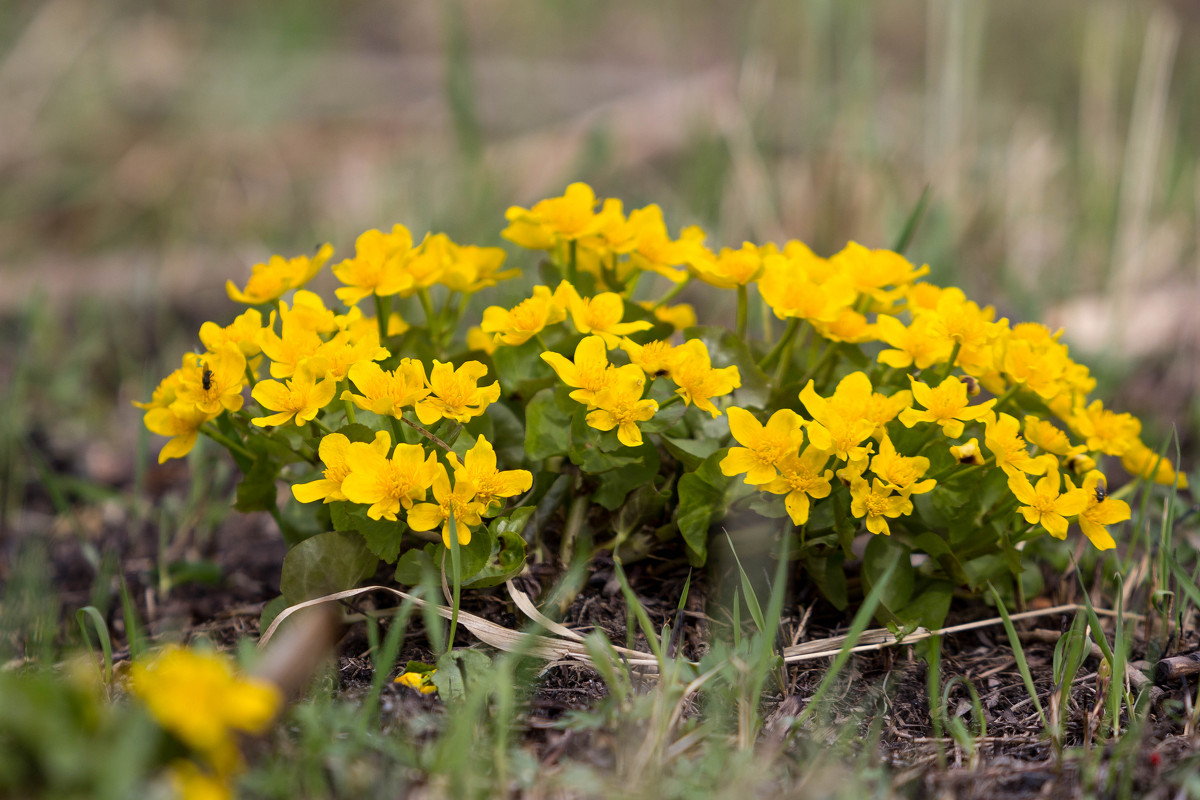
(672, 293)
(825, 359)
(670, 401)
(211, 432)
(784, 341)
(250, 376)
(419, 429)
(431, 318)
(958, 470)
(349, 411)
(944, 372)
(383, 310)
(572, 268)
(1004, 398)
(743, 310)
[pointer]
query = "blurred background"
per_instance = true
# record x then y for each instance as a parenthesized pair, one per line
(151, 150)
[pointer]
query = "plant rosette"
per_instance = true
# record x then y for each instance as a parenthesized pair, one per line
(867, 402)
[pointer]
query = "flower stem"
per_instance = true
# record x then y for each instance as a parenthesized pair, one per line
(672, 293)
(423, 431)
(572, 267)
(383, 310)
(784, 341)
(743, 302)
(211, 432)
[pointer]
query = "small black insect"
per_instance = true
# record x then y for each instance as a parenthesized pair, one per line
(206, 379)
(1101, 492)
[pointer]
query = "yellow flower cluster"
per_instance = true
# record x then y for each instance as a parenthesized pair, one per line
(198, 698)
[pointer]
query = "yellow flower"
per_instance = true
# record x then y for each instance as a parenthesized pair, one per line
(1003, 440)
(619, 405)
(199, 699)
(1110, 433)
(901, 473)
(1143, 462)
(1033, 359)
(527, 319)
(798, 284)
(601, 315)
(301, 398)
(958, 321)
(947, 405)
(1043, 434)
(420, 681)
(698, 382)
(967, 453)
(801, 478)
(386, 484)
(729, 268)
(588, 373)
(377, 267)
(387, 392)
(269, 281)
(678, 316)
(332, 450)
(189, 782)
(213, 382)
(490, 484)
(297, 342)
(342, 352)
(654, 358)
(244, 332)
(877, 503)
(1100, 511)
(763, 446)
(840, 423)
(460, 503)
(871, 271)
(1044, 504)
(554, 219)
(654, 249)
(181, 422)
(456, 394)
(469, 268)
(913, 345)
(478, 340)
(309, 312)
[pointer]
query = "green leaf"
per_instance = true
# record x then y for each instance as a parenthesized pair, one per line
(326, 563)
(883, 555)
(357, 432)
(615, 485)
(828, 572)
(643, 503)
(691, 452)
(929, 608)
(547, 428)
(256, 492)
(270, 611)
(937, 548)
(382, 537)
(518, 365)
(507, 558)
(508, 435)
(414, 564)
(702, 502)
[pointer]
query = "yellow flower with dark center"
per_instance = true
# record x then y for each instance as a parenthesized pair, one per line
(456, 394)
(901, 473)
(620, 405)
(968, 453)
(763, 446)
(1045, 504)
(213, 382)
(387, 392)
(947, 405)
(1002, 437)
(386, 484)
(491, 484)
(526, 319)
(333, 449)
(601, 315)
(269, 281)
(300, 398)
(419, 681)
(877, 504)
(459, 503)
(377, 267)
(801, 477)
(588, 373)
(698, 381)
(199, 698)
(1100, 511)
(653, 357)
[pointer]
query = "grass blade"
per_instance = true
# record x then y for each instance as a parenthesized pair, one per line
(93, 613)
(1019, 655)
